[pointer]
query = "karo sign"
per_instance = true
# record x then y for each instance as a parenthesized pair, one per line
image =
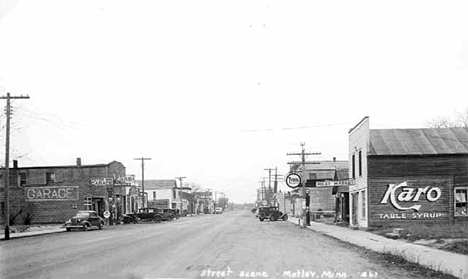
(413, 200)
(293, 180)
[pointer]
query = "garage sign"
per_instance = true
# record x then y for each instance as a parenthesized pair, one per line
(52, 193)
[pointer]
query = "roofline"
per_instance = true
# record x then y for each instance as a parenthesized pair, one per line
(360, 122)
(418, 155)
(60, 167)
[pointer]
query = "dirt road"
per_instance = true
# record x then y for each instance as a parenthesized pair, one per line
(230, 245)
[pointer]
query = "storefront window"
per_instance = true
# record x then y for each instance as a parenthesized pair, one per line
(461, 201)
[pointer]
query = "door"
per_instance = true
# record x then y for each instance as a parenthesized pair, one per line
(94, 219)
(354, 204)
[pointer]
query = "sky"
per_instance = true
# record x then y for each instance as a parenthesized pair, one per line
(219, 91)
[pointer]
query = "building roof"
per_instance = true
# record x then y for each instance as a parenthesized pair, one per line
(326, 170)
(418, 141)
(64, 166)
(158, 184)
(328, 165)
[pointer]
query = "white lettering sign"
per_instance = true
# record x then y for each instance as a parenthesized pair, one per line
(409, 195)
(55, 193)
(334, 183)
(102, 181)
(416, 215)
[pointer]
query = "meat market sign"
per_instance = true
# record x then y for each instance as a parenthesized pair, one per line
(413, 200)
(52, 193)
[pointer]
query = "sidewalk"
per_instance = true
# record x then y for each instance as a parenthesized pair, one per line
(45, 229)
(34, 230)
(450, 263)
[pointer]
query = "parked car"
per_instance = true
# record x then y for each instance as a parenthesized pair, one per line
(218, 210)
(175, 212)
(272, 213)
(85, 220)
(167, 214)
(144, 214)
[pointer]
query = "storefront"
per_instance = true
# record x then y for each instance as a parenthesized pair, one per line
(408, 176)
(53, 194)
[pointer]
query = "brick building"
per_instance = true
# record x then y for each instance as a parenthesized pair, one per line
(52, 194)
(408, 175)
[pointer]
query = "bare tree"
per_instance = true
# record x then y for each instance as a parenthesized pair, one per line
(460, 120)
(195, 187)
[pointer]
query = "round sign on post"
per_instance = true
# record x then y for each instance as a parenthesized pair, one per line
(106, 214)
(293, 180)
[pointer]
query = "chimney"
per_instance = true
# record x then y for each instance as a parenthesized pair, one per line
(334, 159)
(15, 164)
(78, 161)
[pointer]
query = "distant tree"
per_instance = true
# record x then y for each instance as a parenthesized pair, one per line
(195, 187)
(460, 120)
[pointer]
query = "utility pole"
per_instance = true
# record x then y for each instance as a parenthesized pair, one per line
(269, 185)
(303, 155)
(263, 190)
(275, 185)
(143, 176)
(180, 192)
(7, 161)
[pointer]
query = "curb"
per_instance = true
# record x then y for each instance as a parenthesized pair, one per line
(437, 260)
(29, 234)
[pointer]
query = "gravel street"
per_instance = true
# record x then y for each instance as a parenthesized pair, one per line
(231, 245)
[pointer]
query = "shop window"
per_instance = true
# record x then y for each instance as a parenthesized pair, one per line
(174, 194)
(87, 203)
(363, 204)
(50, 177)
(461, 201)
(353, 165)
(22, 179)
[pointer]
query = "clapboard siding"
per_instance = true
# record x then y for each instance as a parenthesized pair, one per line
(442, 171)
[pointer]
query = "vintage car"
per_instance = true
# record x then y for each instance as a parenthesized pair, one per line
(218, 210)
(143, 214)
(175, 212)
(271, 212)
(84, 220)
(168, 214)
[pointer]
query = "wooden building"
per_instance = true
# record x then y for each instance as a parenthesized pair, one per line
(408, 175)
(323, 197)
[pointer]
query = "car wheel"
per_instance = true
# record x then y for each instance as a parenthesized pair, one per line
(157, 219)
(285, 217)
(68, 229)
(85, 227)
(261, 219)
(273, 218)
(100, 226)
